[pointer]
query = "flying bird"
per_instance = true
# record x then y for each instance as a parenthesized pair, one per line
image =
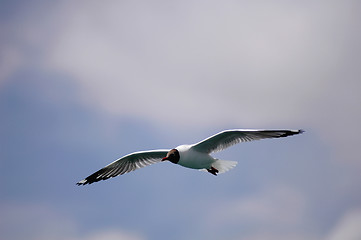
(195, 156)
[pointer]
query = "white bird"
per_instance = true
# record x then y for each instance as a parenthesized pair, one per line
(196, 156)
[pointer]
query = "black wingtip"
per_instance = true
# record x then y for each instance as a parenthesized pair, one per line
(89, 180)
(294, 132)
(82, 182)
(291, 133)
(95, 177)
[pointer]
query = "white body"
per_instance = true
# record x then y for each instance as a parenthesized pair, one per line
(193, 159)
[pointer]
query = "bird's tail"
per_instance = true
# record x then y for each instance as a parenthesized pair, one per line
(224, 165)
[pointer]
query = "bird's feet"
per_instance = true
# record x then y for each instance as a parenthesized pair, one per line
(213, 171)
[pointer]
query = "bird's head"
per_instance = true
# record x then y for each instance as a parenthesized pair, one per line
(172, 156)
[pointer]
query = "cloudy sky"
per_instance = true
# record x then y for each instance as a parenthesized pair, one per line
(85, 82)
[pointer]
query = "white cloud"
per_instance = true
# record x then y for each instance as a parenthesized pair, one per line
(348, 228)
(250, 62)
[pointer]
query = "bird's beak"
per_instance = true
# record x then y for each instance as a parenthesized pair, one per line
(164, 159)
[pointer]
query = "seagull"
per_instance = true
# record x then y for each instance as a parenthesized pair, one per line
(195, 156)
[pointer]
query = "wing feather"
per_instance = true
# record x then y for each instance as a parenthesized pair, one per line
(126, 164)
(228, 138)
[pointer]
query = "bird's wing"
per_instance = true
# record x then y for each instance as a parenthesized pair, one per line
(228, 138)
(126, 164)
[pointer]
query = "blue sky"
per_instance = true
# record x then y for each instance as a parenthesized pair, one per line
(83, 83)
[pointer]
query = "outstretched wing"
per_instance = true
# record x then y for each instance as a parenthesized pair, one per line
(228, 138)
(126, 164)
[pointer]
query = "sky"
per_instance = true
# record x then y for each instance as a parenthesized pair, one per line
(83, 83)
